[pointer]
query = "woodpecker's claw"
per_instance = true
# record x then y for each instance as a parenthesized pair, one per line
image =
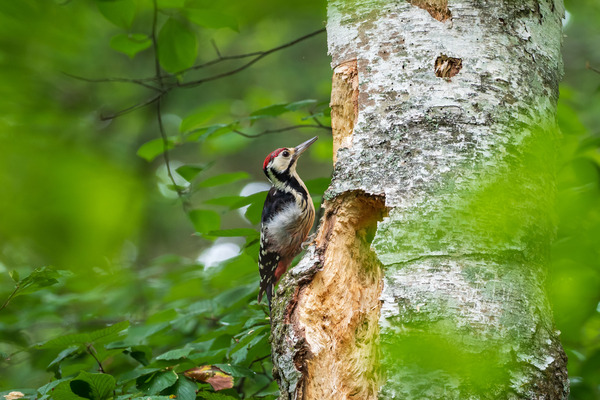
(308, 241)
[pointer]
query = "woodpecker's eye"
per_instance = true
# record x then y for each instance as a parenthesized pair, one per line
(285, 153)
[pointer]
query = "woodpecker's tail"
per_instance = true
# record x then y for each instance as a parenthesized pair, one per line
(269, 291)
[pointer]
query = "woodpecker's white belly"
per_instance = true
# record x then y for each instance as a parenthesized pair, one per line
(286, 232)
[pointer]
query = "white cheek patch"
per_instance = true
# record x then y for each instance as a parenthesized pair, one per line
(280, 163)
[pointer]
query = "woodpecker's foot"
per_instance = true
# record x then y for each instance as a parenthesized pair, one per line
(309, 240)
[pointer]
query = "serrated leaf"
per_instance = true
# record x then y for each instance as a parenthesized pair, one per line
(155, 147)
(205, 220)
(185, 389)
(119, 12)
(157, 382)
(189, 172)
(223, 179)
(210, 18)
(241, 232)
(101, 386)
(177, 46)
(130, 44)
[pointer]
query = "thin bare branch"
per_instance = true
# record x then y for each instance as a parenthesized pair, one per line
(287, 128)
(91, 350)
(103, 80)
(132, 108)
(589, 66)
(251, 62)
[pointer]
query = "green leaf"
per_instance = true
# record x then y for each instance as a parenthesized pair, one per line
(224, 179)
(210, 18)
(236, 371)
(85, 338)
(241, 232)
(100, 386)
(170, 3)
(254, 211)
(63, 391)
(14, 274)
(175, 354)
(278, 109)
(214, 396)
(185, 389)
(119, 12)
(63, 354)
(205, 220)
(157, 382)
(227, 201)
(134, 374)
(130, 44)
(37, 280)
(150, 150)
(300, 104)
(177, 46)
(189, 172)
(271, 111)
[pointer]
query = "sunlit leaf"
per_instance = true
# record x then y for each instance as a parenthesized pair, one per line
(177, 46)
(189, 172)
(119, 12)
(40, 278)
(236, 371)
(150, 150)
(130, 44)
(205, 220)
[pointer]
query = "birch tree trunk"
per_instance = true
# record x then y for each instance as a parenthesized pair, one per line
(426, 279)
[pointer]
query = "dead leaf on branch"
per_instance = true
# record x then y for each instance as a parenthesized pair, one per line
(212, 375)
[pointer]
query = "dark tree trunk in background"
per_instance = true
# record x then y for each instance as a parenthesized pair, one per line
(426, 280)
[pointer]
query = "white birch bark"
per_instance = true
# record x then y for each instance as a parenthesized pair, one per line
(443, 298)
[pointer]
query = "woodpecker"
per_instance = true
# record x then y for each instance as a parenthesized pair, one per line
(288, 215)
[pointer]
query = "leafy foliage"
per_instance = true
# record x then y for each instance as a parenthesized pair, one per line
(135, 302)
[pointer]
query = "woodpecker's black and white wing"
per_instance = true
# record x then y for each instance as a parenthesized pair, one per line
(268, 256)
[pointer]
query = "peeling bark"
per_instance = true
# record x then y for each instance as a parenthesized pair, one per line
(426, 279)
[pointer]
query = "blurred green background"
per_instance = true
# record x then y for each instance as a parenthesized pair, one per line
(76, 196)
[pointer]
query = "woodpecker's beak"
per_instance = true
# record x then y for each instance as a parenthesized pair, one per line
(301, 147)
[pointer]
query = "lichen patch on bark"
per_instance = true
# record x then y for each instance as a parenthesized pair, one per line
(438, 9)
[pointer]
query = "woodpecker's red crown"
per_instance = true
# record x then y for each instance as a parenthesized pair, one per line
(271, 156)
